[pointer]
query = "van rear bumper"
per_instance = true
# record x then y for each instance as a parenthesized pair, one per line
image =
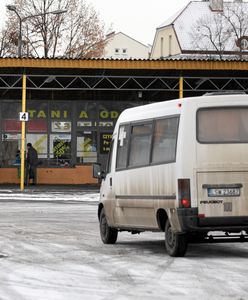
(191, 222)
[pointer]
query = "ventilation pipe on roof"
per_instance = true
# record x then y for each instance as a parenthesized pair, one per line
(216, 5)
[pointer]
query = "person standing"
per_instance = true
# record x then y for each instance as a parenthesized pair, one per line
(32, 163)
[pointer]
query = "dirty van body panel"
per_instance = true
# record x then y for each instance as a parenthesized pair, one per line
(140, 192)
(107, 197)
(222, 165)
(223, 194)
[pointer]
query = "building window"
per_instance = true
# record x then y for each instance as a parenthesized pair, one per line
(170, 45)
(117, 51)
(162, 47)
(124, 51)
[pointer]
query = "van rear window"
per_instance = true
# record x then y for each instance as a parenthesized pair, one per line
(222, 125)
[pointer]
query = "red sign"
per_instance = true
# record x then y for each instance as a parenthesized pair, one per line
(32, 126)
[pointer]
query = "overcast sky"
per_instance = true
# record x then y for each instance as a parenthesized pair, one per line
(136, 18)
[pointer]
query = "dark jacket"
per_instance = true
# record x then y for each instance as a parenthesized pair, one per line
(32, 157)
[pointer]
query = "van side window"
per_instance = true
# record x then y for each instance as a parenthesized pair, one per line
(122, 146)
(141, 136)
(165, 140)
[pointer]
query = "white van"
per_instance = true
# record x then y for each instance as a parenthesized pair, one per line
(181, 167)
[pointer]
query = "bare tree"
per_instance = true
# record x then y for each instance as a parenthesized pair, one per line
(236, 16)
(8, 43)
(75, 34)
(210, 34)
(219, 33)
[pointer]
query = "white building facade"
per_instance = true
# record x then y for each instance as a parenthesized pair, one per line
(121, 46)
(189, 31)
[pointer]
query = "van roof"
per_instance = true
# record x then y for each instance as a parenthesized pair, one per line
(171, 107)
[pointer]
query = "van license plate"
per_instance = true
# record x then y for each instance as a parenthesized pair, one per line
(224, 192)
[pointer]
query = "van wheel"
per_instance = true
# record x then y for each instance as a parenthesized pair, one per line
(108, 234)
(176, 244)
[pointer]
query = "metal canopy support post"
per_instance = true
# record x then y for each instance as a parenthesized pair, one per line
(24, 82)
(180, 87)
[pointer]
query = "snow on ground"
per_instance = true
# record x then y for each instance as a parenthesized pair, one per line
(51, 250)
(36, 194)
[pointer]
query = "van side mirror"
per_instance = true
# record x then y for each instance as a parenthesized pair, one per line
(97, 171)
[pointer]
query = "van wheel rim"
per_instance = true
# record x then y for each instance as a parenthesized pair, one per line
(104, 226)
(171, 237)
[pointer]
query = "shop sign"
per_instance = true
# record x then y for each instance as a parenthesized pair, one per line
(58, 114)
(9, 136)
(106, 124)
(104, 114)
(41, 114)
(32, 125)
(61, 148)
(61, 126)
(37, 126)
(105, 141)
(84, 124)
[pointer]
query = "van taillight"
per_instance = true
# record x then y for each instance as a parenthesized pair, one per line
(184, 193)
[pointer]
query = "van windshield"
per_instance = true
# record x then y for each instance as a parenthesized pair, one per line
(222, 125)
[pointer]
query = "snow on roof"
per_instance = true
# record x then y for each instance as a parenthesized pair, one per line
(186, 19)
(172, 19)
(114, 34)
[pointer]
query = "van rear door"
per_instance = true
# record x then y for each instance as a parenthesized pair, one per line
(222, 161)
(222, 193)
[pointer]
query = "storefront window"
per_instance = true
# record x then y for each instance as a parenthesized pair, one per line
(108, 114)
(11, 132)
(11, 110)
(11, 143)
(86, 147)
(60, 110)
(50, 129)
(39, 142)
(60, 149)
(86, 114)
(60, 139)
(10, 117)
(38, 116)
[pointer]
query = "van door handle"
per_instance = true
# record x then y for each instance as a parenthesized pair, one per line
(110, 181)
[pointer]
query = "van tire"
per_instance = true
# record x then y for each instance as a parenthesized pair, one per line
(108, 234)
(175, 244)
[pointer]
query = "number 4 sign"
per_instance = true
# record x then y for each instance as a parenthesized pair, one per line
(23, 116)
